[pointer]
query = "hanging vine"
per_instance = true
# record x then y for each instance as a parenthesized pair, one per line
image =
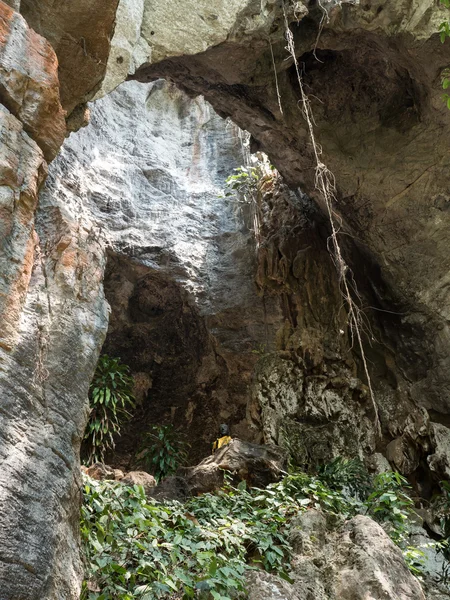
(325, 184)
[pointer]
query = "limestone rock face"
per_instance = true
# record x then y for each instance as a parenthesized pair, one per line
(387, 150)
(52, 305)
(356, 560)
(80, 34)
(29, 81)
(45, 378)
(148, 31)
(22, 171)
(185, 312)
(374, 78)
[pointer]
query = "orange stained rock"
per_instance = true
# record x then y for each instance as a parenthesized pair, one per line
(29, 85)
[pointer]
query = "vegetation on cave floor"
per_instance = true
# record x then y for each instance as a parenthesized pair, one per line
(139, 548)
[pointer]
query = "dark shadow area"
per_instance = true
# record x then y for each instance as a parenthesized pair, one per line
(156, 331)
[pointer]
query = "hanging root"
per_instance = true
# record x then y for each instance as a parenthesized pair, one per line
(325, 185)
(276, 78)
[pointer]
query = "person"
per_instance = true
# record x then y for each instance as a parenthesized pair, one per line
(224, 438)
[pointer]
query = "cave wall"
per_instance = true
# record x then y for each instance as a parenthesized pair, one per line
(185, 314)
(384, 134)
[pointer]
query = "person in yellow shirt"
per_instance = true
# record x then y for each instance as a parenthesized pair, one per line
(224, 438)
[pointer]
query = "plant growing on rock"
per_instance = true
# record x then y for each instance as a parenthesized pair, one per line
(163, 450)
(140, 548)
(391, 505)
(347, 474)
(111, 399)
(248, 184)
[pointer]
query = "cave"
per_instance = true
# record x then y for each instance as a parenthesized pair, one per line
(155, 330)
(117, 239)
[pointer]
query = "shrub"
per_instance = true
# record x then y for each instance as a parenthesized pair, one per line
(163, 451)
(110, 398)
(348, 475)
(136, 548)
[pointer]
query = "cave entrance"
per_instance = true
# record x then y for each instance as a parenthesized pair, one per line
(155, 329)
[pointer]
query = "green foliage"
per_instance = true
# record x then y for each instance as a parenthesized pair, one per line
(346, 474)
(136, 548)
(110, 398)
(444, 31)
(163, 451)
(243, 184)
(247, 183)
(390, 504)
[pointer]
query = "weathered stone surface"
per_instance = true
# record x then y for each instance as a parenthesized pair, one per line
(148, 31)
(264, 586)
(171, 488)
(439, 461)
(258, 465)
(44, 378)
(22, 171)
(140, 478)
(384, 132)
(356, 560)
(387, 151)
(80, 33)
(185, 312)
(29, 85)
(100, 472)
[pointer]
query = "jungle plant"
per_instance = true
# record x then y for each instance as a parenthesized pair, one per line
(111, 399)
(247, 186)
(391, 505)
(140, 548)
(347, 475)
(163, 450)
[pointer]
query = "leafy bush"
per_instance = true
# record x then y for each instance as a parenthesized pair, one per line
(110, 398)
(389, 504)
(147, 550)
(348, 475)
(163, 451)
(135, 549)
(248, 182)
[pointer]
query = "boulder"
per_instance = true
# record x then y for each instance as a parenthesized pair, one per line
(439, 461)
(118, 474)
(147, 481)
(256, 464)
(171, 488)
(264, 586)
(356, 561)
(100, 472)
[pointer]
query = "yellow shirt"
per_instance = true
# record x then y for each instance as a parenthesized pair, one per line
(220, 442)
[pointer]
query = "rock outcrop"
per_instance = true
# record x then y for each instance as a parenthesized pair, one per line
(373, 75)
(356, 560)
(257, 465)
